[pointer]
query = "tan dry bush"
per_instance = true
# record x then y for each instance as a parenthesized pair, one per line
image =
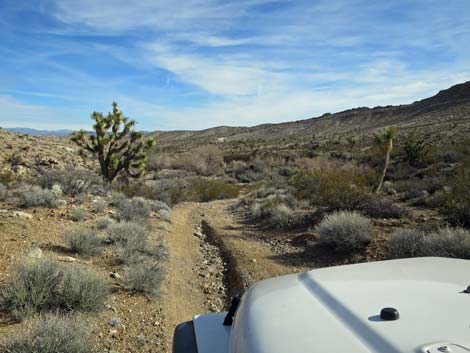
(205, 160)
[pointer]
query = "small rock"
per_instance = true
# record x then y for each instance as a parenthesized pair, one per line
(115, 275)
(115, 321)
(67, 259)
(254, 260)
(35, 253)
(114, 333)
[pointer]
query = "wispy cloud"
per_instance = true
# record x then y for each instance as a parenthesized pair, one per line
(198, 63)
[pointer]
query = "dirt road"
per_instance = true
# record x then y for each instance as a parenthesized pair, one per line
(246, 260)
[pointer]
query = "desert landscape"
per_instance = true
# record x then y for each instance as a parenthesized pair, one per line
(114, 264)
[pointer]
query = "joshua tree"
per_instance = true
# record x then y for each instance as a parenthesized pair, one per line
(118, 147)
(385, 139)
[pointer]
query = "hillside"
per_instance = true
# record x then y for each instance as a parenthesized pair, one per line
(445, 115)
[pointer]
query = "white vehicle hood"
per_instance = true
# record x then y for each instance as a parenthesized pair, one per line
(337, 309)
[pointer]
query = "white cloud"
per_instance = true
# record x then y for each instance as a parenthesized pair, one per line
(19, 114)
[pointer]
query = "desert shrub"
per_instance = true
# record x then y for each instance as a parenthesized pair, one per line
(144, 277)
(447, 242)
(346, 231)
(444, 242)
(448, 156)
(404, 243)
(84, 241)
(3, 192)
(281, 215)
(164, 215)
(7, 175)
(44, 285)
(204, 190)
(415, 152)
(135, 209)
(73, 181)
(205, 160)
(247, 172)
(456, 206)
(274, 206)
(33, 196)
(99, 205)
(34, 287)
(116, 198)
(82, 290)
(104, 222)
(382, 208)
(50, 334)
(78, 214)
(122, 231)
(131, 240)
(410, 189)
(56, 189)
(334, 187)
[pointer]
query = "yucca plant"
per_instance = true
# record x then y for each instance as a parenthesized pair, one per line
(118, 147)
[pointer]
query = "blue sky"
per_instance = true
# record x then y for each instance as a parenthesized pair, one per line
(192, 64)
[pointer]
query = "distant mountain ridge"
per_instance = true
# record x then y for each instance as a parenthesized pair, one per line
(436, 115)
(25, 130)
(439, 113)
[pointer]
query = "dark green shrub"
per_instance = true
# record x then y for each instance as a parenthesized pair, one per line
(204, 190)
(415, 152)
(456, 206)
(334, 187)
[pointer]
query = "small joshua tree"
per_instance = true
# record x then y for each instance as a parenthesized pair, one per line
(118, 147)
(385, 138)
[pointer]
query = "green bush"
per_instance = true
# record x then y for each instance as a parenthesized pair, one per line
(50, 334)
(44, 285)
(415, 152)
(84, 241)
(204, 190)
(78, 214)
(346, 231)
(144, 277)
(337, 188)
